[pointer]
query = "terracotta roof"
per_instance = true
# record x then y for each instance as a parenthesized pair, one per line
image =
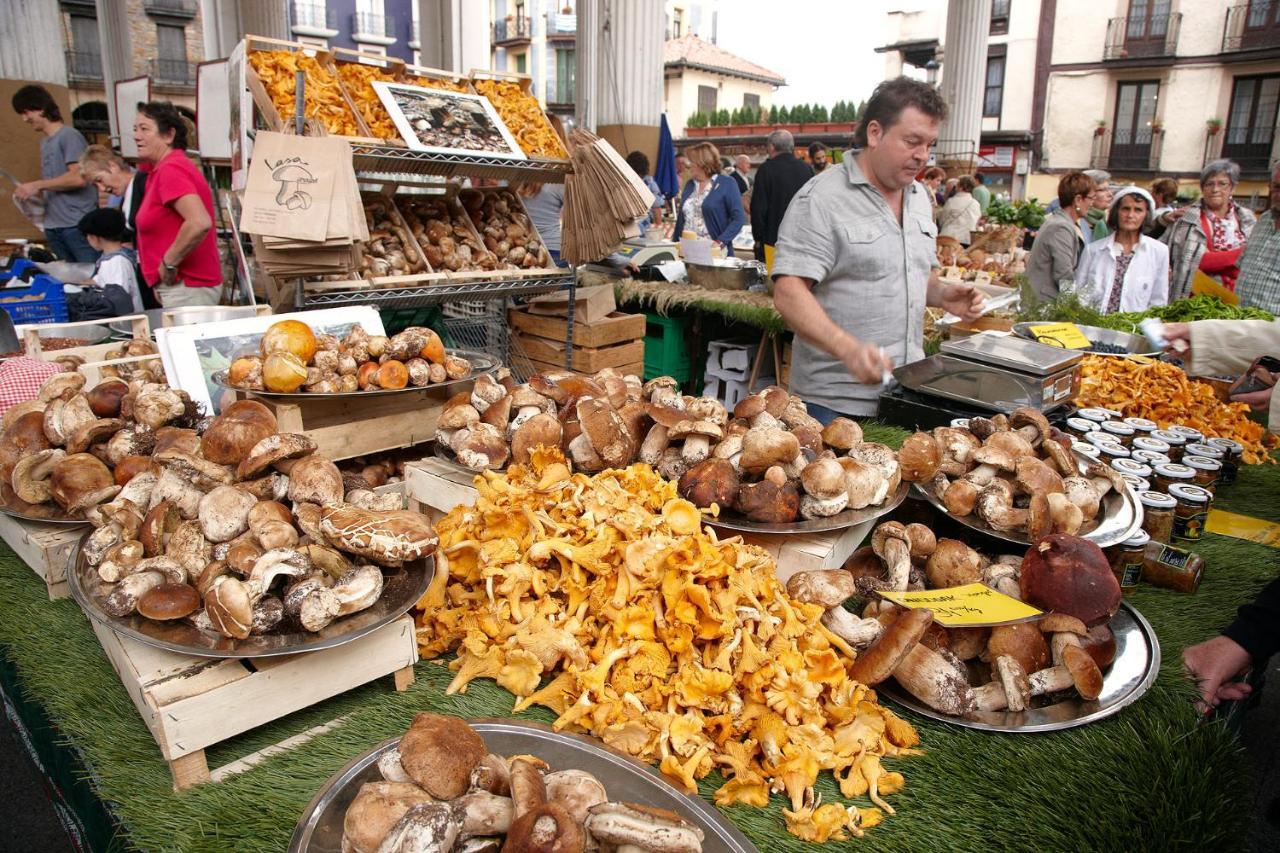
(693, 52)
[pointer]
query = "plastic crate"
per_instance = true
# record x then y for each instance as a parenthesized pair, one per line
(666, 349)
(42, 302)
(19, 266)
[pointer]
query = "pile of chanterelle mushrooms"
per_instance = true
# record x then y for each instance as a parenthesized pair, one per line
(959, 671)
(770, 460)
(443, 790)
(222, 521)
(1016, 473)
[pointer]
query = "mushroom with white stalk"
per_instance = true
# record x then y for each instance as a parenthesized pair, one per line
(1015, 687)
(457, 414)
(921, 671)
(697, 437)
(630, 827)
(527, 403)
(825, 489)
(830, 588)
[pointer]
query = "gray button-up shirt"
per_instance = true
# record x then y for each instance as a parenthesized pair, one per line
(872, 276)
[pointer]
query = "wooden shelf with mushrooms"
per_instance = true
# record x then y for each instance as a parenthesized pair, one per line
(1086, 659)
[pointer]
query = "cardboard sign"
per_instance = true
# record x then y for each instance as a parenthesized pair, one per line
(1243, 527)
(970, 606)
(290, 188)
(1063, 335)
(1206, 284)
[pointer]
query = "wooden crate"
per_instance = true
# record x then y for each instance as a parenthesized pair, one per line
(91, 352)
(616, 328)
(266, 105)
(586, 359)
(434, 488)
(47, 548)
(190, 703)
(343, 427)
(636, 368)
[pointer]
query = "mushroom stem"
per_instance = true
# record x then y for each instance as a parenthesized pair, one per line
(1059, 642)
(982, 475)
(854, 631)
(991, 696)
(928, 676)
(655, 441)
(696, 447)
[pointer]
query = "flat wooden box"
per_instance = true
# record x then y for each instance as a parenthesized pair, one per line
(586, 359)
(635, 368)
(616, 328)
(47, 548)
(434, 488)
(191, 703)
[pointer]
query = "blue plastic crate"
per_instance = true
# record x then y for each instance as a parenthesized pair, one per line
(42, 302)
(20, 265)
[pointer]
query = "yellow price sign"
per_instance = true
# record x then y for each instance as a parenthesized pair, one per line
(1064, 335)
(970, 606)
(1243, 527)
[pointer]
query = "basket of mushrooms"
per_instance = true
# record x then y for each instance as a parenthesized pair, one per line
(1017, 478)
(1086, 658)
(504, 785)
(292, 359)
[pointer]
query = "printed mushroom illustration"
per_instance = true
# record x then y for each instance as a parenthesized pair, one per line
(291, 176)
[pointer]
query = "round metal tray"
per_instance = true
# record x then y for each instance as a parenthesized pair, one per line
(840, 521)
(57, 516)
(1121, 517)
(1133, 344)
(1132, 673)
(401, 590)
(625, 779)
(480, 363)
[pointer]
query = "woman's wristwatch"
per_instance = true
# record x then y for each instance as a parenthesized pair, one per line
(169, 268)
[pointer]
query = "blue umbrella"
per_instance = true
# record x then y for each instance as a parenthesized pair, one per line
(664, 171)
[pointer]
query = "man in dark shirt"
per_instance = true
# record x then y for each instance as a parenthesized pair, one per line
(777, 180)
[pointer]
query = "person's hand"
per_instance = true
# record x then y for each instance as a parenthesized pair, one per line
(866, 362)
(1177, 339)
(167, 276)
(27, 190)
(1259, 401)
(964, 300)
(1212, 665)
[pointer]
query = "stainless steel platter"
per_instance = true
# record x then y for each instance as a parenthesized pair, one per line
(730, 520)
(1133, 344)
(56, 516)
(1132, 673)
(625, 779)
(1121, 514)
(480, 363)
(401, 590)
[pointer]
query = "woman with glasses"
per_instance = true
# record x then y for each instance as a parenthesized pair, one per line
(1211, 234)
(1057, 246)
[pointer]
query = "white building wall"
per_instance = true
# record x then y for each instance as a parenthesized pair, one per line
(681, 95)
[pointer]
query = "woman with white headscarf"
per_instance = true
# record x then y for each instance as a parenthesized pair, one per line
(1126, 270)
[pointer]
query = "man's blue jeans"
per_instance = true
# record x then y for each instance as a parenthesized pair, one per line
(68, 244)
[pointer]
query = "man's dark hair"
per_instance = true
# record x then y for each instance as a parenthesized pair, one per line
(638, 162)
(104, 222)
(979, 178)
(167, 118)
(815, 147)
(36, 98)
(892, 97)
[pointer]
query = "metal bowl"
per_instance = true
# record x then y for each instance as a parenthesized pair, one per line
(726, 274)
(1133, 344)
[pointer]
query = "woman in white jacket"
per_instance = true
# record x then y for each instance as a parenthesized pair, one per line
(959, 217)
(1126, 271)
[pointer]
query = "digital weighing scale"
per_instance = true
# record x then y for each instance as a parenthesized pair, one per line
(996, 372)
(643, 253)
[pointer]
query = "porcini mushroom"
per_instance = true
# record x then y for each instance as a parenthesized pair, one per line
(921, 671)
(1066, 574)
(712, 481)
(439, 753)
(630, 826)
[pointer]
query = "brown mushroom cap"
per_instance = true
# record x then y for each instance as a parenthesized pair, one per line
(1085, 673)
(953, 563)
(81, 480)
(826, 587)
(880, 660)
(541, 429)
(768, 501)
(104, 398)
(824, 478)
(482, 447)
(763, 447)
(224, 513)
(711, 481)
(315, 479)
(233, 435)
(439, 753)
(1058, 623)
(169, 601)
(605, 429)
(919, 457)
(1100, 643)
(842, 434)
(271, 450)
(1021, 641)
(1069, 575)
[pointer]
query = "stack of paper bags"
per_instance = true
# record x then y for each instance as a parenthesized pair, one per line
(302, 206)
(603, 198)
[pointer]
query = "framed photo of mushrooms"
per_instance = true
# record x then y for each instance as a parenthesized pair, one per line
(444, 122)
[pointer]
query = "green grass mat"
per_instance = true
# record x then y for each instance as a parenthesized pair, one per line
(1150, 778)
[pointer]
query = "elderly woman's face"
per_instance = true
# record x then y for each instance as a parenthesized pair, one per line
(1216, 190)
(1131, 213)
(113, 179)
(1102, 195)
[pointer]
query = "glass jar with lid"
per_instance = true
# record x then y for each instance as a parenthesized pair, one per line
(1167, 475)
(1150, 457)
(1127, 560)
(1087, 450)
(1099, 437)
(1207, 470)
(1143, 426)
(1096, 415)
(1203, 448)
(1150, 443)
(1121, 430)
(1173, 568)
(1080, 427)
(1131, 466)
(1192, 512)
(1111, 452)
(1175, 441)
(1232, 456)
(1138, 484)
(1157, 515)
(1191, 434)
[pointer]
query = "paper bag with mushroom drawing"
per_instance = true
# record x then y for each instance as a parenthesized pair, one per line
(291, 183)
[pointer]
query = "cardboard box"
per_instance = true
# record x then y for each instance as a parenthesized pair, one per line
(590, 303)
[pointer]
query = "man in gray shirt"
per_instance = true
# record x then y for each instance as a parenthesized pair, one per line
(67, 195)
(856, 262)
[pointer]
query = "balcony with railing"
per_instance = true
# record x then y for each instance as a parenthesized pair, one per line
(513, 31)
(372, 28)
(1142, 37)
(561, 27)
(1128, 150)
(84, 67)
(170, 8)
(1252, 26)
(172, 72)
(1253, 147)
(312, 19)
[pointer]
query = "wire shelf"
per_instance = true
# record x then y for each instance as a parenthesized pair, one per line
(387, 161)
(434, 294)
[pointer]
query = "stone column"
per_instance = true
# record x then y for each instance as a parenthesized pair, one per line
(964, 69)
(220, 27)
(268, 18)
(31, 33)
(117, 54)
(620, 48)
(454, 34)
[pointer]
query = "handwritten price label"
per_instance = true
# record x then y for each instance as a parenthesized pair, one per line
(971, 606)
(1065, 335)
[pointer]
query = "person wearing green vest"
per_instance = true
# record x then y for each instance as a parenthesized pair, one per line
(980, 192)
(1094, 223)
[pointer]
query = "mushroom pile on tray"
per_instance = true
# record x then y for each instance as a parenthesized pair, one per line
(1016, 473)
(959, 671)
(291, 357)
(442, 789)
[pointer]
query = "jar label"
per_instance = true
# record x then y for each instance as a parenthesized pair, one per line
(1173, 557)
(1131, 574)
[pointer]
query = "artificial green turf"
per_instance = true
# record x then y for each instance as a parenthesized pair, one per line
(1151, 778)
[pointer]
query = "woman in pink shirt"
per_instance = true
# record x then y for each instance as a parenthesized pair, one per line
(177, 248)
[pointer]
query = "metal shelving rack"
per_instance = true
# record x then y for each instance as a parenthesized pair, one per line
(421, 296)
